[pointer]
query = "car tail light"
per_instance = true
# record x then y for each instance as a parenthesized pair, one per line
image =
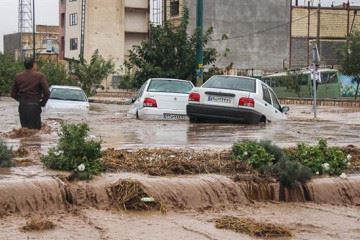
(247, 102)
(150, 102)
(194, 97)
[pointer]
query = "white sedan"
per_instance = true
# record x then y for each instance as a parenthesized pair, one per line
(67, 99)
(236, 99)
(161, 99)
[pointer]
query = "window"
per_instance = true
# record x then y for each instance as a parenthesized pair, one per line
(68, 94)
(73, 43)
(72, 0)
(276, 103)
(73, 19)
(170, 86)
(174, 8)
(266, 94)
(233, 83)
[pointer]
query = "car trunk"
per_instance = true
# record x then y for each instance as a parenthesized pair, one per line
(173, 101)
(222, 97)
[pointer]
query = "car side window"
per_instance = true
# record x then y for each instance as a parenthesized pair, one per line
(276, 103)
(266, 94)
(141, 91)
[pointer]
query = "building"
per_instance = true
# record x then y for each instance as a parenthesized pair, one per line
(257, 31)
(327, 25)
(20, 45)
(111, 26)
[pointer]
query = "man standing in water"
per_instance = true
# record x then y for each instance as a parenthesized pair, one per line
(31, 90)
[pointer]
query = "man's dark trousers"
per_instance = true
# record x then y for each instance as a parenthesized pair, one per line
(30, 115)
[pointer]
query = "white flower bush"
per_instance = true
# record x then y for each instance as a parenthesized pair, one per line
(81, 167)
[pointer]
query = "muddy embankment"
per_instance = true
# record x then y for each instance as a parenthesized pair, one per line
(140, 192)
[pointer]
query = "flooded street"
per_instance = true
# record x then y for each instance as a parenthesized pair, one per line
(117, 130)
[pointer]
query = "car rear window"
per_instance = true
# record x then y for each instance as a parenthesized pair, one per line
(170, 86)
(233, 83)
(68, 94)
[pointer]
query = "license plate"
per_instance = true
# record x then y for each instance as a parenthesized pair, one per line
(220, 99)
(170, 116)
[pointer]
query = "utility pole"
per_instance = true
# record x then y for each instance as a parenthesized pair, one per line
(34, 29)
(318, 28)
(199, 42)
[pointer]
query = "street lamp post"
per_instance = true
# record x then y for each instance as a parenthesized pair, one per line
(199, 42)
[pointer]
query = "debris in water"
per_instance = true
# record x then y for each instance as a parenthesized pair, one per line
(252, 228)
(38, 224)
(129, 195)
(20, 133)
(21, 152)
(162, 162)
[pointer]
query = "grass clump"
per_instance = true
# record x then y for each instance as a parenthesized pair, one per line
(5, 155)
(252, 228)
(75, 152)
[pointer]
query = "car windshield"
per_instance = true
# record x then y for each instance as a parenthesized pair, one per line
(170, 86)
(68, 94)
(233, 83)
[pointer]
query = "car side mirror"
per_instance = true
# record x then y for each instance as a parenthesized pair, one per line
(285, 109)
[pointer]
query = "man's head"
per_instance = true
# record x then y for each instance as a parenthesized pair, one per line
(29, 63)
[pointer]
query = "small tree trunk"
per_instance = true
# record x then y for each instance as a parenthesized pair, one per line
(357, 89)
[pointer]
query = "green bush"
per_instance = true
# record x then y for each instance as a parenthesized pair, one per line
(272, 149)
(291, 173)
(75, 152)
(5, 155)
(320, 158)
(253, 154)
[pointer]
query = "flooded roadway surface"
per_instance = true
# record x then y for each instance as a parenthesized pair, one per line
(339, 126)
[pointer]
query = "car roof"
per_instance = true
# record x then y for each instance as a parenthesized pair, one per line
(171, 79)
(65, 87)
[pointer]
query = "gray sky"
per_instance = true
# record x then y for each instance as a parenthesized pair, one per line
(47, 12)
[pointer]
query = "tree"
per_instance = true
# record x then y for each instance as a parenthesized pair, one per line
(56, 73)
(90, 75)
(8, 70)
(349, 56)
(169, 52)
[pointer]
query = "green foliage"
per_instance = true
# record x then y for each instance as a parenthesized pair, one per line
(169, 52)
(290, 173)
(253, 154)
(349, 56)
(73, 150)
(91, 74)
(55, 73)
(320, 158)
(5, 155)
(8, 70)
(272, 149)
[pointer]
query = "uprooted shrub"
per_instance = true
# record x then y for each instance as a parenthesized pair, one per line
(269, 159)
(5, 155)
(291, 172)
(75, 152)
(320, 158)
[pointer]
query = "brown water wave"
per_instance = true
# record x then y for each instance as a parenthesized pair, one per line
(49, 194)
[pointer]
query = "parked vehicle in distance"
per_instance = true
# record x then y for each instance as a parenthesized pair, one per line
(67, 99)
(162, 98)
(235, 99)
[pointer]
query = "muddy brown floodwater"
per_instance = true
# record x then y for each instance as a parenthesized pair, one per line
(85, 210)
(340, 126)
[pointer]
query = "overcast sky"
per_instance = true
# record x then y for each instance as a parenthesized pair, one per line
(47, 13)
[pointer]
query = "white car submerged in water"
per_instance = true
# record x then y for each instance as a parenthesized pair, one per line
(162, 99)
(236, 99)
(67, 99)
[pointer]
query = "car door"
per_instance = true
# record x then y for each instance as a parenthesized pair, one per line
(278, 114)
(265, 106)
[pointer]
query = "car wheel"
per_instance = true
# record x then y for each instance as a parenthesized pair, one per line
(137, 115)
(263, 119)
